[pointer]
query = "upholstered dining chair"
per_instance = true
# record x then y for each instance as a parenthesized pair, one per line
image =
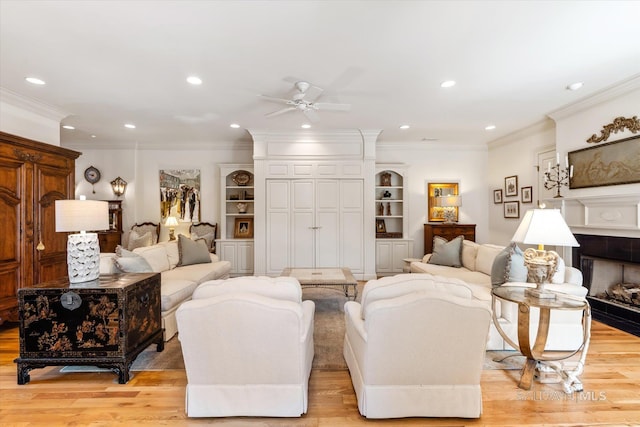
(247, 344)
(207, 231)
(135, 237)
(416, 349)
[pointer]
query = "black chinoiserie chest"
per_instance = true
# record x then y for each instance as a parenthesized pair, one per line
(106, 323)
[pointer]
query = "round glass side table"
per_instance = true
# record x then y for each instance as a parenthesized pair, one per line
(536, 353)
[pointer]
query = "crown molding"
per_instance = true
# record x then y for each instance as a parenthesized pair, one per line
(611, 92)
(543, 125)
(32, 105)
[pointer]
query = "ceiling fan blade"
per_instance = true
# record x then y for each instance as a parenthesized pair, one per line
(331, 106)
(313, 93)
(277, 113)
(275, 99)
(311, 115)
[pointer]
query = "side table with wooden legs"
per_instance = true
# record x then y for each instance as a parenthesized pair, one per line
(536, 354)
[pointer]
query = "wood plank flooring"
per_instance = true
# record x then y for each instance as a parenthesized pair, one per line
(611, 395)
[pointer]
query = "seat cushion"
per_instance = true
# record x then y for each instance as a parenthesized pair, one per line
(282, 288)
(457, 273)
(199, 273)
(174, 291)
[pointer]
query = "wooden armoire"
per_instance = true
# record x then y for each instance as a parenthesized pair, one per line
(33, 175)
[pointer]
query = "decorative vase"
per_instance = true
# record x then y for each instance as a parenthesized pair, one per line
(242, 207)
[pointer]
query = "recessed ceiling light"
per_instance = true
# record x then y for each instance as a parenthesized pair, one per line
(305, 126)
(68, 127)
(194, 80)
(448, 83)
(404, 126)
(490, 127)
(575, 86)
(93, 136)
(35, 80)
(234, 125)
(130, 126)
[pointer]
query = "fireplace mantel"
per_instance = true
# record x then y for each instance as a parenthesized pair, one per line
(611, 215)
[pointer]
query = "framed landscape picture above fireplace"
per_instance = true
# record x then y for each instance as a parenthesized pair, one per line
(612, 163)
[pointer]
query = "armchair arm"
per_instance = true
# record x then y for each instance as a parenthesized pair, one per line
(308, 310)
(352, 316)
(573, 276)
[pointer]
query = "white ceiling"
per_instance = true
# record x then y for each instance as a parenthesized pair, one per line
(112, 62)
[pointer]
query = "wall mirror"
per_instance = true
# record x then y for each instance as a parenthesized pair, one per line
(435, 213)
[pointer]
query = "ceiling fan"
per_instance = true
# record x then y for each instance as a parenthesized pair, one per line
(304, 99)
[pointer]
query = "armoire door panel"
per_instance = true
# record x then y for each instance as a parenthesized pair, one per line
(278, 238)
(303, 192)
(327, 239)
(352, 194)
(302, 239)
(352, 241)
(278, 195)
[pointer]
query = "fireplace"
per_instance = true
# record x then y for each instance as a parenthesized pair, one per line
(611, 269)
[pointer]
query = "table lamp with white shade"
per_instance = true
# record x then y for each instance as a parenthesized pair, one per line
(542, 227)
(83, 249)
(449, 204)
(171, 223)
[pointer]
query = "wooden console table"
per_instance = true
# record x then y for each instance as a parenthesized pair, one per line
(447, 231)
(106, 322)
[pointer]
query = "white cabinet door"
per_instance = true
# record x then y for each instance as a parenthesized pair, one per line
(239, 253)
(315, 223)
(390, 255)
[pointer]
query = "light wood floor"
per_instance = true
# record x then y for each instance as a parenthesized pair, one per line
(611, 395)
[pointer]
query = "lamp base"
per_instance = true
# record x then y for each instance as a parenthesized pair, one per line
(83, 257)
(172, 235)
(541, 266)
(539, 294)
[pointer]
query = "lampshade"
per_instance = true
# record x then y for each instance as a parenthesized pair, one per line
(171, 222)
(544, 227)
(449, 201)
(83, 249)
(81, 215)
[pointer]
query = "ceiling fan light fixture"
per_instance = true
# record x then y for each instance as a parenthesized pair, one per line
(448, 83)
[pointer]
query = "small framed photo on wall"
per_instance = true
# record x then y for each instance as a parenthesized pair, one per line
(526, 195)
(511, 186)
(512, 209)
(497, 196)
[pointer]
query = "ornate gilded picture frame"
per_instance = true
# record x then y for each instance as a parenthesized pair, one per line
(435, 213)
(611, 163)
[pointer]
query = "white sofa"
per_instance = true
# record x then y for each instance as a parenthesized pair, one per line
(177, 282)
(477, 260)
(247, 344)
(416, 348)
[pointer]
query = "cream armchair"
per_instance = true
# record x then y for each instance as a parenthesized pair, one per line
(247, 345)
(416, 349)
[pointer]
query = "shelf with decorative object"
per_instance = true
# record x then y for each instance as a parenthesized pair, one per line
(112, 237)
(236, 221)
(392, 244)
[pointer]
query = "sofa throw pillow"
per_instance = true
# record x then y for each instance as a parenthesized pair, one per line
(208, 238)
(447, 253)
(192, 252)
(508, 266)
(122, 252)
(139, 241)
(132, 264)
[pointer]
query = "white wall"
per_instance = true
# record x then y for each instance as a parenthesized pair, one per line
(515, 154)
(140, 168)
(29, 118)
(436, 162)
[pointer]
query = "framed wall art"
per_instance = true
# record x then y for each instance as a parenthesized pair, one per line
(611, 163)
(180, 194)
(526, 194)
(512, 209)
(511, 186)
(243, 228)
(380, 226)
(435, 213)
(497, 196)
